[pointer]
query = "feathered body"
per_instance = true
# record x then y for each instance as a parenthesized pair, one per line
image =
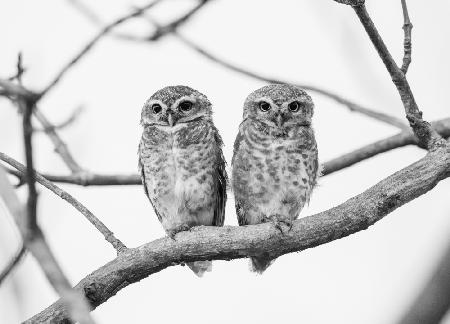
(275, 161)
(181, 162)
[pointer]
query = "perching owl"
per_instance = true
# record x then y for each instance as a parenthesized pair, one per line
(181, 162)
(275, 163)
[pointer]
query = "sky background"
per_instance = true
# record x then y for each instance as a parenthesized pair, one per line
(369, 277)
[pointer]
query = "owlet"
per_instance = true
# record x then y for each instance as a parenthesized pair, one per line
(181, 162)
(275, 164)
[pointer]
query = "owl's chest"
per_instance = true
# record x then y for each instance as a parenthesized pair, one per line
(176, 165)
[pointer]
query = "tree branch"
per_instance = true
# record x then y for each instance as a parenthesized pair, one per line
(60, 147)
(108, 235)
(352, 106)
(31, 233)
(407, 26)
(228, 242)
(172, 28)
(404, 138)
(399, 140)
(13, 263)
(428, 138)
(90, 45)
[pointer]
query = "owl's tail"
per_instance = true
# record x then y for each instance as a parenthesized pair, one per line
(200, 267)
(260, 264)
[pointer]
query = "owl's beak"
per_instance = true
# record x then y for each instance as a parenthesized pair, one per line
(279, 120)
(170, 118)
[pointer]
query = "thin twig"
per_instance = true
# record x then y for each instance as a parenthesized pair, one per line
(65, 123)
(108, 235)
(162, 30)
(171, 27)
(60, 147)
(428, 138)
(407, 27)
(90, 45)
(13, 263)
(394, 121)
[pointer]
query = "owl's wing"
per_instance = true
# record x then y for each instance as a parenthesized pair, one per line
(143, 178)
(239, 208)
(221, 184)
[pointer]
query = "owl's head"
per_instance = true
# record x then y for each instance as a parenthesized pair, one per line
(280, 105)
(175, 105)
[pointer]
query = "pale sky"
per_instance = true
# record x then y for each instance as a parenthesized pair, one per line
(369, 277)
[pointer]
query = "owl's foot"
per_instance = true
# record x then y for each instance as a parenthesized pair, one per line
(278, 221)
(174, 231)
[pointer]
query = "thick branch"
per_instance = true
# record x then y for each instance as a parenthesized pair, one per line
(407, 27)
(109, 236)
(226, 243)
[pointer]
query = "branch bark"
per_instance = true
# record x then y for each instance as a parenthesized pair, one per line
(407, 27)
(226, 243)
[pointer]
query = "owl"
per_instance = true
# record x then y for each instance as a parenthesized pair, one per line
(275, 161)
(181, 162)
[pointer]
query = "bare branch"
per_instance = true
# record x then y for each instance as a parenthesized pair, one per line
(434, 301)
(65, 123)
(90, 45)
(427, 136)
(399, 140)
(349, 104)
(33, 238)
(30, 221)
(11, 89)
(172, 28)
(407, 27)
(109, 236)
(226, 243)
(13, 263)
(60, 147)
(404, 138)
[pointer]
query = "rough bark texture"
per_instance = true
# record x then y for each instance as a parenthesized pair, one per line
(227, 243)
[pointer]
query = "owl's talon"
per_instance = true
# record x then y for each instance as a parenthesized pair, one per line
(181, 228)
(278, 221)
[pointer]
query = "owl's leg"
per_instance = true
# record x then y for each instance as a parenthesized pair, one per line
(278, 220)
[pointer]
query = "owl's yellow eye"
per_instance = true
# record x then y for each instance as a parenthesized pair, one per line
(185, 106)
(156, 108)
(264, 106)
(294, 106)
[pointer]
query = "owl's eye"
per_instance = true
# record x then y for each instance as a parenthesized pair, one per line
(294, 106)
(185, 106)
(264, 106)
(156, 108)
